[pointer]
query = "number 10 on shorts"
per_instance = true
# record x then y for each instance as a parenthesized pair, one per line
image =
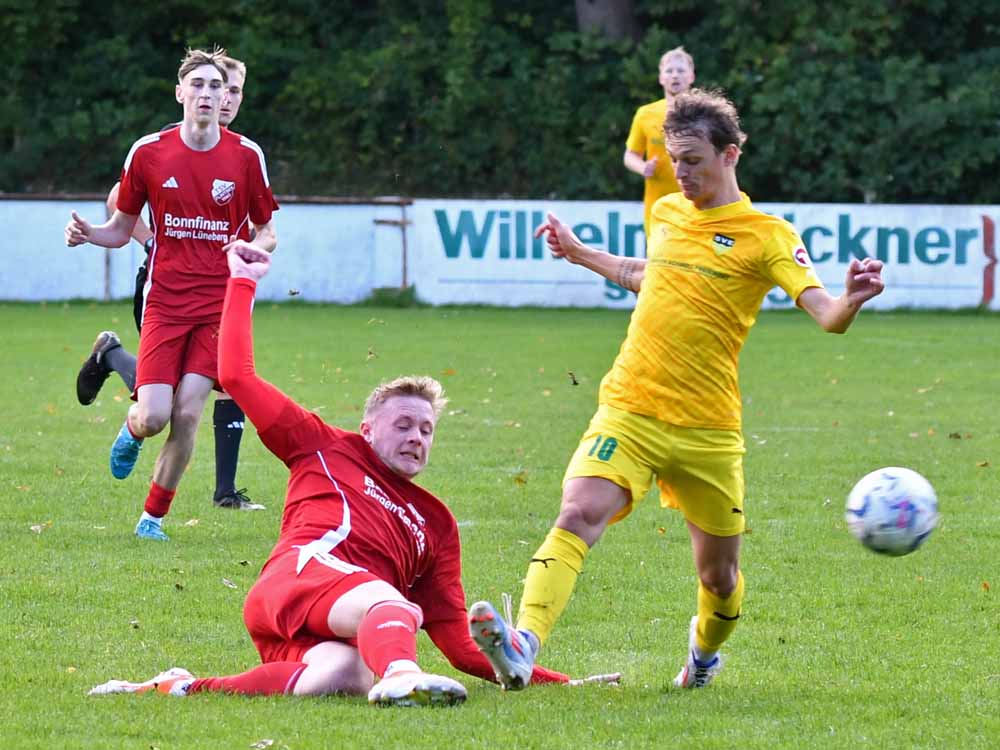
(603, 447)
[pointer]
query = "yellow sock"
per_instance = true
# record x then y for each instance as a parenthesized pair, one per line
(549, 584)
(717, 617)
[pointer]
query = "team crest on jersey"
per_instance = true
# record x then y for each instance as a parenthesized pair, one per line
(223, 191)
(722, 244)
(801, 256)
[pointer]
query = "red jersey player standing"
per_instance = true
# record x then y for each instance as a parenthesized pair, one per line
(205, 187)
(365, 556)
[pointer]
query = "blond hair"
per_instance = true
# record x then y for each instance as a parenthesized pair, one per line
(195, 58)
(676, 52)
(422, 386)
(231, 63)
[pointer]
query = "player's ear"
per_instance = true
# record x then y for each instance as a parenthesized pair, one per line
(731, 154)
(177, 93)
(366, 431)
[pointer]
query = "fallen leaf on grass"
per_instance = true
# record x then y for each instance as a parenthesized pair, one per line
(192, 522)
(262, 744)
(546, 392)
(38, 528)
(572, 378)
(983, 464)
(244, 562)
(986, 585)
(661, 531)
(70, 670)
(179, 586)
(134, 623)
(371, 354)
(521, 478)
(449, 371)
(228, 584)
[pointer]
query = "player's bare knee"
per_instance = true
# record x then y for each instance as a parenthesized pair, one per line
(720, 579)
(585, 517)
(149, 422)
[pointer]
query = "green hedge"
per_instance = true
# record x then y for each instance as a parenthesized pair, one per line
(850, 101)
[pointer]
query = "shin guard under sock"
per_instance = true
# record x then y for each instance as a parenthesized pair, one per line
(552, 575)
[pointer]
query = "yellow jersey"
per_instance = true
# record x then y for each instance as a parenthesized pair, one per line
(707, 272)
(646, 137)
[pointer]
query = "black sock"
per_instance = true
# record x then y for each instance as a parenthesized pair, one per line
(228, 420)
(123, 363)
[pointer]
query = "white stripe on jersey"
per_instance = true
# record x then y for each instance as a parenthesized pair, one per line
(333, 537)
(144, 141)
(244, 141)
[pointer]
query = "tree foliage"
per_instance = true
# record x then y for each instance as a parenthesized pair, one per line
(852, 101)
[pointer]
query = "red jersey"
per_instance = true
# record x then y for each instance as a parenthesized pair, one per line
(346, 508)
(197, 199)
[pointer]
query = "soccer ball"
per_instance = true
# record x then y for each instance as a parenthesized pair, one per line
(892, 510)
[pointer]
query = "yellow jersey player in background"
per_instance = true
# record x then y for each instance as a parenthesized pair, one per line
(645, 153)
(669, 409)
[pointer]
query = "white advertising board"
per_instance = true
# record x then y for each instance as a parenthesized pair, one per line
(484, 252)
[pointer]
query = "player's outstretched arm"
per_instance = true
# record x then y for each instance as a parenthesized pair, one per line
(563, 243)
(115, 232)
(835, 314)
(261, 401)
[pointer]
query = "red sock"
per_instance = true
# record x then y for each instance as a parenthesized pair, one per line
(158, 500)
(128, 426)
(387, 633)
(276, 678)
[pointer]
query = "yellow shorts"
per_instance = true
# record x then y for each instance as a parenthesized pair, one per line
(699, 471)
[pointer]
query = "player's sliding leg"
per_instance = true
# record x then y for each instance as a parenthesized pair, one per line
(277, 678)
(588, 505)
(387, 641)
(106, 356)
(720, 597)
(228, 420)
(385, 625)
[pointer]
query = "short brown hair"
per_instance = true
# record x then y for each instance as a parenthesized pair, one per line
(706, 114)
(231, 63)
(422, 386)
(195, 58)
(677, 52)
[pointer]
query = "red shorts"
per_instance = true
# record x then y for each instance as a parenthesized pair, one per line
(286, 613)
(169, 350)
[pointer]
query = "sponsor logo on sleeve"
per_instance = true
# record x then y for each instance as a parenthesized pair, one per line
(801, 256)
(223, 191)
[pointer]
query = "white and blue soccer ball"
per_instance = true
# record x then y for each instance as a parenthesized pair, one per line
(892, 511)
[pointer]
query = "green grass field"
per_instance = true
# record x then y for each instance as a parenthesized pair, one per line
(838, 647)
